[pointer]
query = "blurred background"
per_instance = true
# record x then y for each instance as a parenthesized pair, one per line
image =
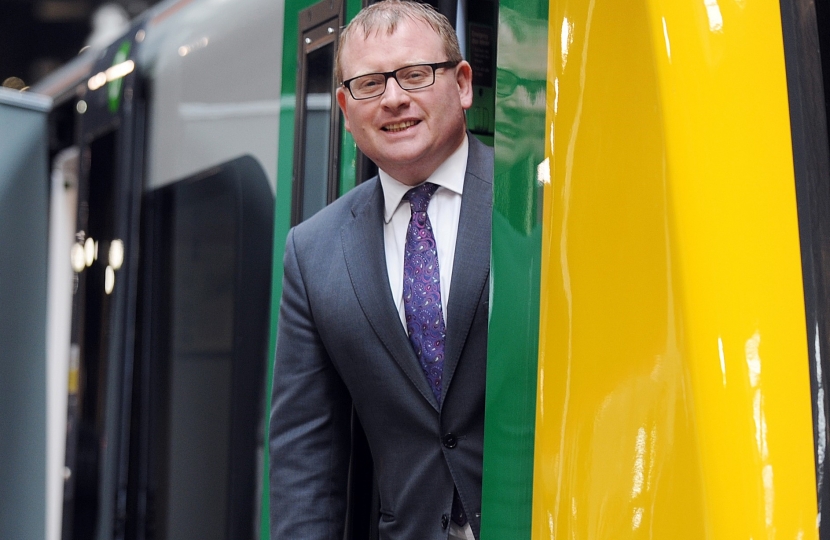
(38, 36)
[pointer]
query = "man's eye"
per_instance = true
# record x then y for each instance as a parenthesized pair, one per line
(415, 75)
(367, 84)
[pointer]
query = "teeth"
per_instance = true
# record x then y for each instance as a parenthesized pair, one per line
(399, 127)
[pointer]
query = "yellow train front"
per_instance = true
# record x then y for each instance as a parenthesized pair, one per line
(666, 246)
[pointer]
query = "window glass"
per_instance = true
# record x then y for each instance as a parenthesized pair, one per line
(207, 241)
(318, 103)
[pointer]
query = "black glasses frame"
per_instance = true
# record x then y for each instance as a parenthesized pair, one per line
(507, 82)
(388, 74)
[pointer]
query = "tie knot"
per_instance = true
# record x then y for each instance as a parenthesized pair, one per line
(419, 197)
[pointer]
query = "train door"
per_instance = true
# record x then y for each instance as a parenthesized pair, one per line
(103, 306)
(169, 326)
(200, 361)
(201, 330)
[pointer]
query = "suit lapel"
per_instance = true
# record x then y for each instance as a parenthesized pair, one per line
(471, 266)
(363, 248)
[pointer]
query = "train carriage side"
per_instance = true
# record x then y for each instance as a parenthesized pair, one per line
(24, 205)
(177, 129)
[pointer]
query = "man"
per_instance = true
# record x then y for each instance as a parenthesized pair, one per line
(385, 298)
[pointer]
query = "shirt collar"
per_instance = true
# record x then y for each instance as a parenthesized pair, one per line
(449, 175)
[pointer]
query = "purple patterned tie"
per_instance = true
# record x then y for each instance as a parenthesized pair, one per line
(422, 301)
(422, 290)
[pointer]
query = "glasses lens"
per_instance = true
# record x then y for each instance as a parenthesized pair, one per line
(367, 86)
(413, 77)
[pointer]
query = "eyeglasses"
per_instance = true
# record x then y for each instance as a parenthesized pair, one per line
(408, 77)
(507, 82)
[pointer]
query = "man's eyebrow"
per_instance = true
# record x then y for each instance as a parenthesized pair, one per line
(408, 64)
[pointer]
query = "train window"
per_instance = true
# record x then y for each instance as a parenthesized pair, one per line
(317, 144)
(318, 110)
(204, 325)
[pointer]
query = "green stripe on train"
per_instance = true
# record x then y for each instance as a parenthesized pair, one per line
(512, 362)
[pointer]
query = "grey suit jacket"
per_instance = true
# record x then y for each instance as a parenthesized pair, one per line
(340, 341)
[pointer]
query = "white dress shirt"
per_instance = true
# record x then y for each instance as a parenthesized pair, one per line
(443, 211)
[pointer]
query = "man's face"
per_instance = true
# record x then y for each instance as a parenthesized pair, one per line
(520, 116)
(408, 134)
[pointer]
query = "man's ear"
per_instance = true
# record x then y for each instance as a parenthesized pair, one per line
(464, 79)
(341, 102)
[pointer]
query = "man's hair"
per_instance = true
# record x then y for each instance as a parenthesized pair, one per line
(387, 14)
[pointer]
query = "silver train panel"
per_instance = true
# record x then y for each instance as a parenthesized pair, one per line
(215, 90)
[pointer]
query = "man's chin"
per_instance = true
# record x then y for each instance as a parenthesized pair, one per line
(402, 155)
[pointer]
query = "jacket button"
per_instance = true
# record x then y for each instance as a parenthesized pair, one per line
(450, 440)
(445, 520)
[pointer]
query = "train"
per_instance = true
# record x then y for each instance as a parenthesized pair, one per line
(659, 289)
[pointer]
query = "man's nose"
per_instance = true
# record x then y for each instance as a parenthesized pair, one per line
(525, 97)
(394, 95)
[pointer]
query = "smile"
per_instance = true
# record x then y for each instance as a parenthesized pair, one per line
(400, 126)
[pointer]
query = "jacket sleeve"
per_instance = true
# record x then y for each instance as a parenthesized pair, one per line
(309, 436)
